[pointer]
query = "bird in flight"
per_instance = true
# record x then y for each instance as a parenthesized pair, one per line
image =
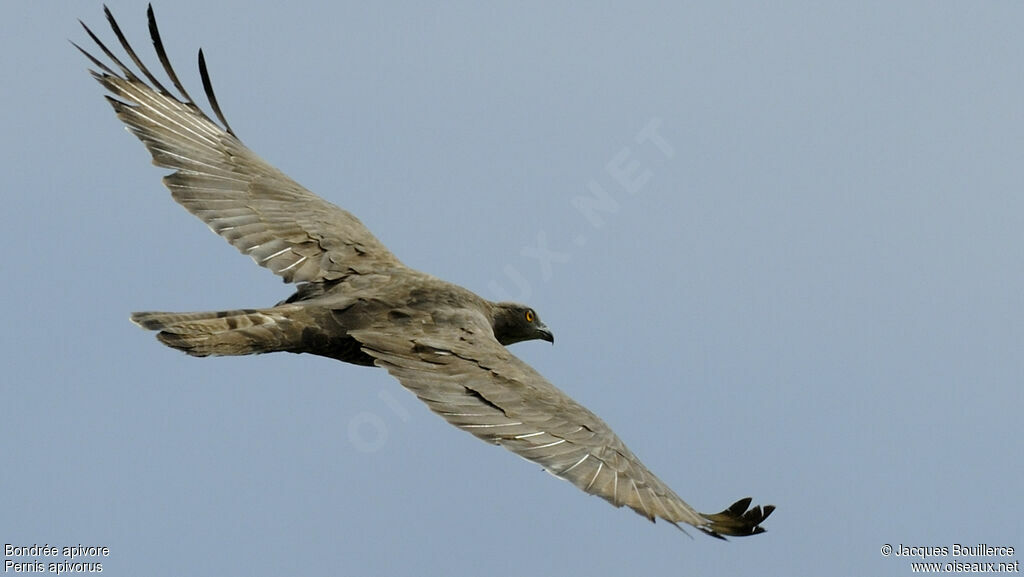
(357, 303)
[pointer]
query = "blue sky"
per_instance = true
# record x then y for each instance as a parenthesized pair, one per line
(809, 289)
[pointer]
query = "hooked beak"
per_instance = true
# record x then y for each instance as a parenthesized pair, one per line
(546, 334)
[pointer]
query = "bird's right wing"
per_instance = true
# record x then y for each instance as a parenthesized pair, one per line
(476, 384)
(257, 208)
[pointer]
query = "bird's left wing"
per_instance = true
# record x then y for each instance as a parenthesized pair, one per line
(257, 208)
(463, 374)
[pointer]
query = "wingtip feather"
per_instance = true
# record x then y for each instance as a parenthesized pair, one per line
(738, 520)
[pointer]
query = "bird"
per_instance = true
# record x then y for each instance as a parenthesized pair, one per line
(357, 303)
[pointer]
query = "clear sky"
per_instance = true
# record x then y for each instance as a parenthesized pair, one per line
(807, 289)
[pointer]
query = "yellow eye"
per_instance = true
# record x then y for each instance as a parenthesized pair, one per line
(529, 316)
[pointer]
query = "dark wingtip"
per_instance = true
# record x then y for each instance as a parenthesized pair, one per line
(161, 53)
(739, 520)
(204, 74)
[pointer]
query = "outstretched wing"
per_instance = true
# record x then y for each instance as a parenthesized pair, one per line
(463, 374)
(257, 208)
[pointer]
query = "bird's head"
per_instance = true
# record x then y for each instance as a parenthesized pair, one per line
(513, 323)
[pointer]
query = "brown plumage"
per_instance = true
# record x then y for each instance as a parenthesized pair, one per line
(359, 304)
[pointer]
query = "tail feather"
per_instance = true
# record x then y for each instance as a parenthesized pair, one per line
(226, 333)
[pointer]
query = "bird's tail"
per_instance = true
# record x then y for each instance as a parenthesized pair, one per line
(237, 332)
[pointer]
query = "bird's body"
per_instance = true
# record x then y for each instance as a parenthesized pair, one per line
(321, 318)
(357, 303)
